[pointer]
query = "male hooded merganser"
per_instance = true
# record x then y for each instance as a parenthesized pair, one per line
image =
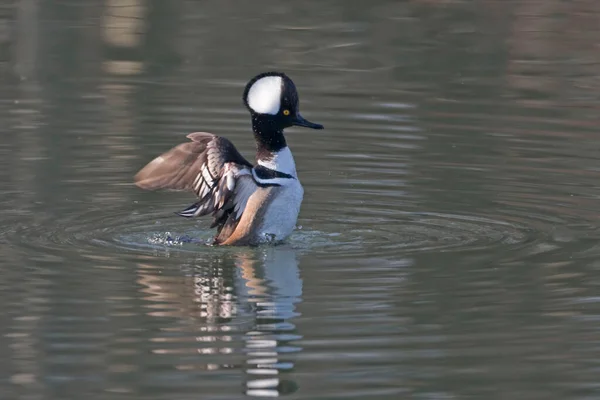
(250, 204)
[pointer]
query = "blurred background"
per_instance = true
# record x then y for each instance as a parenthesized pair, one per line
(447, 247)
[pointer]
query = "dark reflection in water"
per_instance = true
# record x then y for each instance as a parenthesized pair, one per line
(448, 241)
(232, 312)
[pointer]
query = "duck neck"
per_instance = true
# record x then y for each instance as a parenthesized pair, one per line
(269, 137)
(272, 151)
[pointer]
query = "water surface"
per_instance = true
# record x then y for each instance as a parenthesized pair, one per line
(447, 246)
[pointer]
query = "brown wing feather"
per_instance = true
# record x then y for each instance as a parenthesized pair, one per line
(208, 165)
(179, 167)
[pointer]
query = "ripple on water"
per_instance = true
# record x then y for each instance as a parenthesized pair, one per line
(387, 236)
(117, 229)
(423, 232)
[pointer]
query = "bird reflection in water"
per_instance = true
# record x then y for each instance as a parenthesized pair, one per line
(235, 309)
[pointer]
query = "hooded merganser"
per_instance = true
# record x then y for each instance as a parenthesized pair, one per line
(250, 204)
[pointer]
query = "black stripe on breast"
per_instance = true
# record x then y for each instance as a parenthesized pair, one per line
(265, 173)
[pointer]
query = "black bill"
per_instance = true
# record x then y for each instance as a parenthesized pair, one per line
(300, 121)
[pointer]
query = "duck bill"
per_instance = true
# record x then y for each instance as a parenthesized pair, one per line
(300, 121)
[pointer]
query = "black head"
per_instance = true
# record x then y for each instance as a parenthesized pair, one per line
(272, 99)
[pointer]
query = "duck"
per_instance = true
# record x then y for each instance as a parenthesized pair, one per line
(251, 204)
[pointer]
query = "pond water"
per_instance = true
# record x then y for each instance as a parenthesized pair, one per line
(448, 243)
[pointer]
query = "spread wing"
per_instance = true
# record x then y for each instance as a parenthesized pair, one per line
(212, 168)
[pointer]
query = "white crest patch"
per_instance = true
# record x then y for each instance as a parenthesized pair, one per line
(264, 96)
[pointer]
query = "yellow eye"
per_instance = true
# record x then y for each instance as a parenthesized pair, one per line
(286, 112)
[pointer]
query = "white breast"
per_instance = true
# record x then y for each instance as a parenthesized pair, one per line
(282, 212)
(282, 161)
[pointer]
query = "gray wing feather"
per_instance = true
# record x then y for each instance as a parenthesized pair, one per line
(208, 165)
